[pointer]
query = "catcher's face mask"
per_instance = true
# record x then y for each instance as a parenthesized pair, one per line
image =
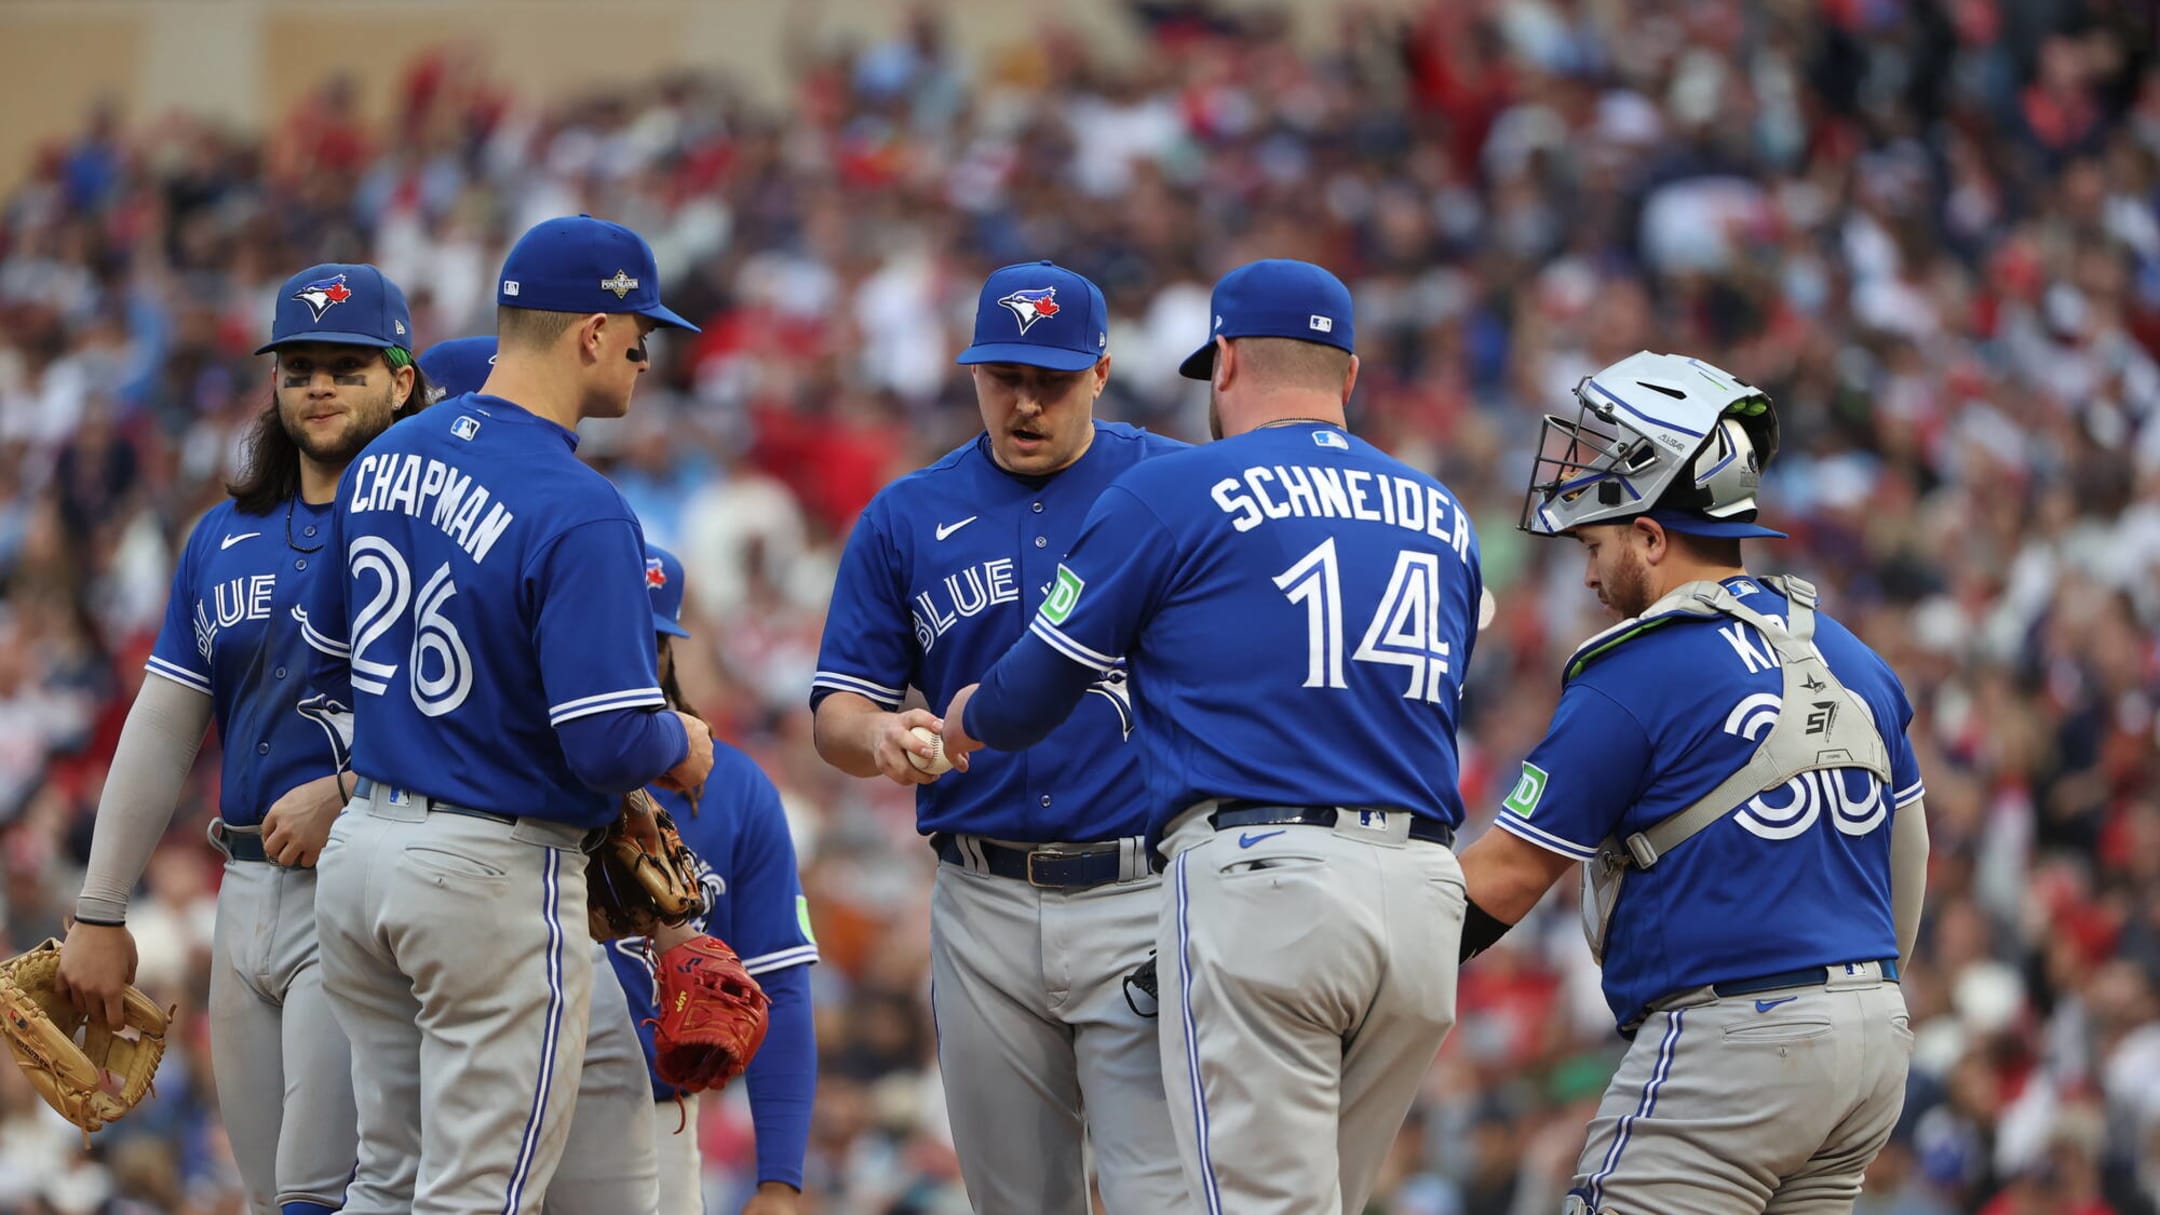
(1653, 430)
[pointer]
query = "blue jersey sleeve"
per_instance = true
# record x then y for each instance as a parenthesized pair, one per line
(180, 652)
(1118, 571)
(770, 918)
(1581, 778)
(593, 633)
(869, 642)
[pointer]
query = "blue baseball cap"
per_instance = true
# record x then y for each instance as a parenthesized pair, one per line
(664, 582)
(1040, 314)
(344, 304)
(1694, 524)
(1276, 298)
(460, 365)
(583, 265)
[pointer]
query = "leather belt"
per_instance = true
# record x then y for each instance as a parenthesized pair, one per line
(1232, 814)
(1048, 867)
(366, 787)
(1806, 976)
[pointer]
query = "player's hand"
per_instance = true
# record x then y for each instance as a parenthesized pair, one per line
(298, 824)
(891, 742)
(97, 963)
(774, 1198)
(957, 742)
(689, 775)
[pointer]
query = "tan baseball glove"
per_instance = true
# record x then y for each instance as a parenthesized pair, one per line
(93, 1081)
(642, 875)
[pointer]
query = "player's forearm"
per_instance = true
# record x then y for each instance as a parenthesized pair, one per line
(624, 749)
(783, 1077)
(164, 730)
(844, 729)
(1908, 875)
(1026, 695)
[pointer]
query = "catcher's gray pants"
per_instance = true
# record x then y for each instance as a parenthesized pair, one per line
(682, 1166)
(456, 956)
(1035, 1039)
(283, 1071)
(1308, 977)
(1774, 1101)
(610, 1165)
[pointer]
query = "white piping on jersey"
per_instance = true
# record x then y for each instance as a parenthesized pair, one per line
(1514, 825)
(177, 673)
(318, 640)
(586, 706)
(1909, 794)
(834, 681)
(1071, 649)
(766, 963)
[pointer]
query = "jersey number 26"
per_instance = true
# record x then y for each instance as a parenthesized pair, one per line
(1404, 629)
(433, 633)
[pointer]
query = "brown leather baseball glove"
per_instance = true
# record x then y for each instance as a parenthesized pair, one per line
(91, 1082)
(642, 875)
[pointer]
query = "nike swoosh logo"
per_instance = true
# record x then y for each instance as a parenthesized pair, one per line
(229, 541)
(1767, 1005)
(947, 529)
(1247, 841)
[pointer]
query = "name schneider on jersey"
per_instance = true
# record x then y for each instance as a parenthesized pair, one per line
(1306, 491)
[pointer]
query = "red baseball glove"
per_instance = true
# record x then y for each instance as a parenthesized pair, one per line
(712, 1015)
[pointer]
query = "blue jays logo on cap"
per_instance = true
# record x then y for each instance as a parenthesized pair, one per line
(1064, 323)
(663, 582)
(324, 294)
(655, 574)
(1032, 305)
(344, 304)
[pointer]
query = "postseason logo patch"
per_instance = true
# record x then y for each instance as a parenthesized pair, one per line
(1064, 595)
(1528, 791)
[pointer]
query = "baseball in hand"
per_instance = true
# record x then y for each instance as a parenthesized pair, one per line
(937, 762)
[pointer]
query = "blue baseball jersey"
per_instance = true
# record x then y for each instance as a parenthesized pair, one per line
(943, 571)
(746, 861)
(492, 589)
(1297, 609)
(1796, 877)
(229, 634)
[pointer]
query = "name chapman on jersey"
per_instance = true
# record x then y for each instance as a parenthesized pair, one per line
(1305, 491)
(427, 488)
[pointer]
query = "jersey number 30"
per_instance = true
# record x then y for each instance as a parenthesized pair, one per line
(433, 633)
(1404, 630)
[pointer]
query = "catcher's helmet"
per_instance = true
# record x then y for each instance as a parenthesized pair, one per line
(1660, 435)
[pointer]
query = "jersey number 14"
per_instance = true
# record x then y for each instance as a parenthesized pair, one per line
(433, 633)
(1403, 631)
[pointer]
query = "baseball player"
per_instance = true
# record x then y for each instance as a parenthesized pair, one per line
(1730, 766)
(1044, 899)
(230, 651)
(748, 863)
(488, 632)
(747, 860)
(1296, 609)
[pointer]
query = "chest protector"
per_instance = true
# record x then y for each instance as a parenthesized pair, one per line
(1835, 730)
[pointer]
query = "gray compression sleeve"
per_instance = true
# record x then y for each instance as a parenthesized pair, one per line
(1908, 875)
(157, 747)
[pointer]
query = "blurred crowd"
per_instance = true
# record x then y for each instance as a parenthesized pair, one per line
(1929, 228)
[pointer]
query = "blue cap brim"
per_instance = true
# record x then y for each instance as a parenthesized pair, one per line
(328, 339)
(1200, 364)
(662, 624)
(1723, 529)
(1033, 356)
(669, 319)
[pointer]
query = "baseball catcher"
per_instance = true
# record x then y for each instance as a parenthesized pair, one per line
(92, 1081)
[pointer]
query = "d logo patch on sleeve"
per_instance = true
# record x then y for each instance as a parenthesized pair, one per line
(1528, 791)
(1064, 595)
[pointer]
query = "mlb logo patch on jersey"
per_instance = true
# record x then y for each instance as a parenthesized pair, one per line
(324, 294)
(1329, 438)
(1031, 305)
(465, 427)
